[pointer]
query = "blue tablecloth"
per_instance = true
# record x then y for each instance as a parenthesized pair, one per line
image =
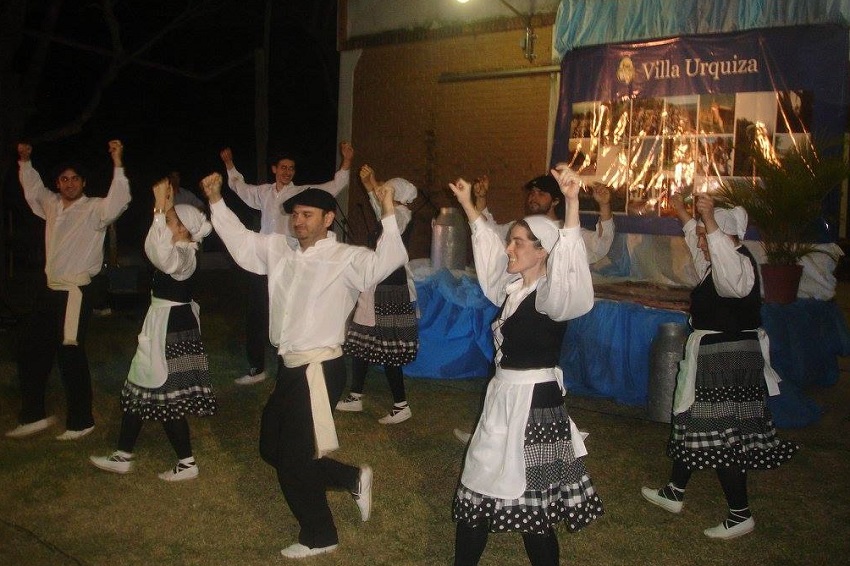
(606, 352)
(454, 328)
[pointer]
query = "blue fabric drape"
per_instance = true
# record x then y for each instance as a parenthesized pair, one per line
(580, 23)
(806, 338)
(454, 328)
(606, 351)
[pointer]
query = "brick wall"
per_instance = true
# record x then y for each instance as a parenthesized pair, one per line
(407, 124)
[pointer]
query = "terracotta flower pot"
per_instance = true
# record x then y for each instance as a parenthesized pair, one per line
(780, 282)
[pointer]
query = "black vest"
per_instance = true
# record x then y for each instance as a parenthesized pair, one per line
(164, 286)
(710, 311)
(531, 339)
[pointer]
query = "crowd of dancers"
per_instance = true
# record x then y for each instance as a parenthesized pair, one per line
(524, 467)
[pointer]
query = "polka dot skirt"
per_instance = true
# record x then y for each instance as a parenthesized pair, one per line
(558, 487)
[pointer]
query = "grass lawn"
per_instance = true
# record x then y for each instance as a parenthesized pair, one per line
(57, 509)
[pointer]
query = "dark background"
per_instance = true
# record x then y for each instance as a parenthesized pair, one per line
(178, 103)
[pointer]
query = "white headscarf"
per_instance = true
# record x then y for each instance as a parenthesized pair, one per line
(194, 220)
(544, 229)
(405, 192)
(732, 221)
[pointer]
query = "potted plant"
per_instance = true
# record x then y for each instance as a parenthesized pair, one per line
(784, 200)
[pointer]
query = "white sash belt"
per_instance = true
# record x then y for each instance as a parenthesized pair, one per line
(72, 285)
(320, 405)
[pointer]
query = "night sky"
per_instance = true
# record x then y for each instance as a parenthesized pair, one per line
(168, 119)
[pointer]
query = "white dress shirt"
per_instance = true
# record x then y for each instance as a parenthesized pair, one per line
(269, 201)
(74, 235)
(312, 291)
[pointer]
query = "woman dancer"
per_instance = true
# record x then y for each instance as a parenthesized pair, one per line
(720, 418)
(384, 329)
(524, 468)
(169, 375)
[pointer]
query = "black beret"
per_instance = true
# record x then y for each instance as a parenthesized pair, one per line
(311, 197)
(545, 183)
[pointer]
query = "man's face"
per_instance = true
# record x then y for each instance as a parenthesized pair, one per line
(284, 171)
(309, 224)
(539, 202)
(70, 185)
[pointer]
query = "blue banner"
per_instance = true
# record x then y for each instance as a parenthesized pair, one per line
(657, 117)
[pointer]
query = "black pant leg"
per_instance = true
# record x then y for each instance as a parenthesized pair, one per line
(257, 321)
(177, 431)
(74, 369)
(359, 368)
(131, 426)
(470, 543)
(395, 379)
(288, 425)
(38, 344)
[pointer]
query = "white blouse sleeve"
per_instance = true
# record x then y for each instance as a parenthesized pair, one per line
(491, 261)
(732, 272)
(567, 290)
(701, 265)
(176, 260)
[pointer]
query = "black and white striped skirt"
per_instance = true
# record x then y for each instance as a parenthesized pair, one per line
(729, 423)
(558, 487)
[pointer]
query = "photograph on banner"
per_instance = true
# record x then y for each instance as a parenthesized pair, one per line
(646, 149)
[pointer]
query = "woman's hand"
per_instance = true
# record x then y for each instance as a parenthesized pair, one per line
(163, 195)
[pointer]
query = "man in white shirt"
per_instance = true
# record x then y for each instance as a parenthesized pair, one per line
(268, 199)
(313, 284)
(74, 230)
(544, 197)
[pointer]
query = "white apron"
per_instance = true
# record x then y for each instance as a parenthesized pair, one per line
(149, 369)
(495, 462)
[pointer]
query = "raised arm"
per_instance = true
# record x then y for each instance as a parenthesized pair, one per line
(178, 261)
(118, 198)
(598, 241)
(488, 249)
(689, 226)
(248, 249)
(35, 193)
(733, 273)
(250, 194)
(343, 175)
(368, 268)
(567, 290)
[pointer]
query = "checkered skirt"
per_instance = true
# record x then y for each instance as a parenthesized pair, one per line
(729, 423)
(394, 340)
(558, 487)
(187, 389)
